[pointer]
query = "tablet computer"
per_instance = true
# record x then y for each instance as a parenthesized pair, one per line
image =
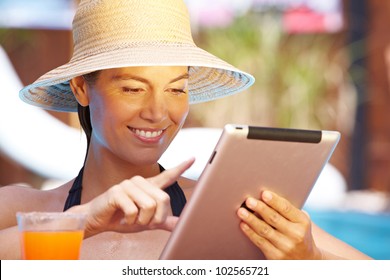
(245, 160)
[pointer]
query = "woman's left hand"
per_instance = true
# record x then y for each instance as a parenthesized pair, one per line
(278, 229)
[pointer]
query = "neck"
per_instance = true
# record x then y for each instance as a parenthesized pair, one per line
(103, 170)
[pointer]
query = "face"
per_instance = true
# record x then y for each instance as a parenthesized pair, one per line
(137, 111)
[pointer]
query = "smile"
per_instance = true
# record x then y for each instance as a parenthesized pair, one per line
(147, 133)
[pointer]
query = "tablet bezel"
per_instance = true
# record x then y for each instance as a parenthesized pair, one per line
(289, 162)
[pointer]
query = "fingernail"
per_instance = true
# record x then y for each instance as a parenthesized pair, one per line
(251, 202)
(267, 196)
(243, 213)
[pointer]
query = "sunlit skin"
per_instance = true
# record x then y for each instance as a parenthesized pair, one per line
(279, 229)
(136, 111)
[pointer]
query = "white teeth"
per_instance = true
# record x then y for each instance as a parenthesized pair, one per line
(148, 134)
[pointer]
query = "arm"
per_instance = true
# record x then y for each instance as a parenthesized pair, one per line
(333, 248)
(282, 231)
(10, 246)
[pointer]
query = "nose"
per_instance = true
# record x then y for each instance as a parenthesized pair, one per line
(154, 108)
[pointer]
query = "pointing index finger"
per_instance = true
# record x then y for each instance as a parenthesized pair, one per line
(169, 176)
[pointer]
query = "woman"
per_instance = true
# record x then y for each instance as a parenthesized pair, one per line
(133, 74)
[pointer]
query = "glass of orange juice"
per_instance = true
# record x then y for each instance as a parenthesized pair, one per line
(50, 235)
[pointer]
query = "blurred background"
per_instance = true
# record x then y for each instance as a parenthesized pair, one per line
(318, 65)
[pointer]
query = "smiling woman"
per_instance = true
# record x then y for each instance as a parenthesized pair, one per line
(147, 70)
(135, 111)
(132, 88)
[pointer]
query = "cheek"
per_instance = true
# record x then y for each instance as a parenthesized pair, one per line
(105, 112)
(98, 108)
(179, 112)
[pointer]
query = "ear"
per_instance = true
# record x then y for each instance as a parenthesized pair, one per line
(80, 90)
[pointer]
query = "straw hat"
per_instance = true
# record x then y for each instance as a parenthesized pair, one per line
(122, 33)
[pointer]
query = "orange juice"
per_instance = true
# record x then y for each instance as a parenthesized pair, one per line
(51, 245)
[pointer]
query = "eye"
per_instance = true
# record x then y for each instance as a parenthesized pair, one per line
(177, 91)
(132, 90)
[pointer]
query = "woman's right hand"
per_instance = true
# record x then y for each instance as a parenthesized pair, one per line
(133, 205)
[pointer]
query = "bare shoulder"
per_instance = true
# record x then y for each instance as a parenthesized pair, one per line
(14, 198)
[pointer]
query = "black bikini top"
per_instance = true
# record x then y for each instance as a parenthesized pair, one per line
(176, 194)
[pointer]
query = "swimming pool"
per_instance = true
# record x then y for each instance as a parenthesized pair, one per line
(370, 233)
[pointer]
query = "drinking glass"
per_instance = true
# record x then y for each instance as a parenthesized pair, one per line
(50, 235)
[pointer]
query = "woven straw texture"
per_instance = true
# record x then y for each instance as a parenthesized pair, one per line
(124, 33)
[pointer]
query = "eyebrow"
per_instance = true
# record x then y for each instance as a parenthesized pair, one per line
(140, 79)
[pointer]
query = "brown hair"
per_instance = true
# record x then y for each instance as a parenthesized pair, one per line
(83, 112)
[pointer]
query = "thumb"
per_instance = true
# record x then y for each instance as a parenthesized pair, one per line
(169, 176)
(169, 223)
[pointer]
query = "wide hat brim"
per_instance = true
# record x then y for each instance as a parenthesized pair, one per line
(210, 77)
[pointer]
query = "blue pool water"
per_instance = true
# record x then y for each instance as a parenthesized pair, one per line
(370, 233)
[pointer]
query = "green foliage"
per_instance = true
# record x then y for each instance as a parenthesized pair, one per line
(301, 79)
